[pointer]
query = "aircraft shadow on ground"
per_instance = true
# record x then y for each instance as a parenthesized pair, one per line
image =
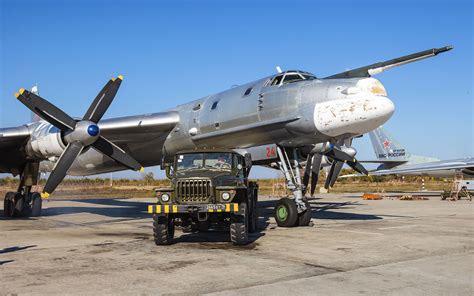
(114, 208)
(320, 210)
(132, 209)
(15, 249)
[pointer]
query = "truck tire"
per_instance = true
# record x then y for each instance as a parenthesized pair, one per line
(253, 213)
(305, 218)
(239, 229)
(163, 230)
(286, 213)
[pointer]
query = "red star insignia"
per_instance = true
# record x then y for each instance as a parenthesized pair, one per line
(386, 144)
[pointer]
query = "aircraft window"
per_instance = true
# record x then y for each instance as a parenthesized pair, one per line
(197, 107)
(248, 91)
(309, 77)
(292, 78)
(277, 80)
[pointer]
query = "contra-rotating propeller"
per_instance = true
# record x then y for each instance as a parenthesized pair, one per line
(339, 155)
(78, 134)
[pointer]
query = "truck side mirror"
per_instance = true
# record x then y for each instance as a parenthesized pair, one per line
(169, 173)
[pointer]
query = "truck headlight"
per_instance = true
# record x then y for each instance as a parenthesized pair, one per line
(225, 195)
(165, 197)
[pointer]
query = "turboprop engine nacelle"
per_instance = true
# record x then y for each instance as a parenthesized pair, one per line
(45, 142)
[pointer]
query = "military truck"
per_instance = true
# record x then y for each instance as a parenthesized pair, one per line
(208, 189)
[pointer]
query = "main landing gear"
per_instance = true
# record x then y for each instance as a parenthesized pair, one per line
(24, 203)
(295, 211)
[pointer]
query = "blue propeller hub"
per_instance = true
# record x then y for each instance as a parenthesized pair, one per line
(93, 130)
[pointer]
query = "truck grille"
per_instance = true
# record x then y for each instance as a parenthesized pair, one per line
(193, 190)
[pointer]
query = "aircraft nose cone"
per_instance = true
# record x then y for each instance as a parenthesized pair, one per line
(357, 115)
(93, 130)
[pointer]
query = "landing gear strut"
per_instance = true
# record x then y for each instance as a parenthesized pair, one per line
(24, 203)
(294, 211)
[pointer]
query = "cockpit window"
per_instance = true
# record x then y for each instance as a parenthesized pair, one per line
(289, 78)
(277, 80)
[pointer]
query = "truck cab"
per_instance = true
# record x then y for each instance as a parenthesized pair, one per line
(208, 189)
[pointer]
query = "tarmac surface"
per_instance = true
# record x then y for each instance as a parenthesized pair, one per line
(105, 246)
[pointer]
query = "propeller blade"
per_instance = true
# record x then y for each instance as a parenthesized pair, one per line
(357, 166)
(116, 153)
(103, 100)
(315, 168)
(307, 172)
(46, 110)
(337, 154)
(336, 172)
(333, 173)
(62, 166)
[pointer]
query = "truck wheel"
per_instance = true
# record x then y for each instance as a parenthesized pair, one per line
(239, 229)
(305, 218)
(163, 230)
(253, 219)
(286, 213)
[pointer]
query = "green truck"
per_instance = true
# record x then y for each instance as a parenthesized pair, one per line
(209, 189)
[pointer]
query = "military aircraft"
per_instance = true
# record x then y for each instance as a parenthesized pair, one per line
(394, 159)
(302, 115)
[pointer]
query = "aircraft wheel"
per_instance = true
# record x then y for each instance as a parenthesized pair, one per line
(163, 230)
(36, 204)
(9, 205)
(239, 233)
(286, 213)
(305, 218)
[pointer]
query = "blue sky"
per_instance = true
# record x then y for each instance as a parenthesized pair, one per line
(174, 52)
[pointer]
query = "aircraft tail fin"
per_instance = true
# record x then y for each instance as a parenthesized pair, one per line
(34, 117)
(386, 148)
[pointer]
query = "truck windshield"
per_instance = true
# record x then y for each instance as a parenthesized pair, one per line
(216, 160)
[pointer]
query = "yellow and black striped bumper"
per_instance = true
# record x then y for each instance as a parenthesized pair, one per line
(204, 208)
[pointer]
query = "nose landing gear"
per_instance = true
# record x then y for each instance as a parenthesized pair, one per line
(295, 211)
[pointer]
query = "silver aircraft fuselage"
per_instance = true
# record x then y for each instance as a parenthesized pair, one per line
(296, 114)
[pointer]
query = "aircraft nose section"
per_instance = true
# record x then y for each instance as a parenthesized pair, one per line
(357, 115)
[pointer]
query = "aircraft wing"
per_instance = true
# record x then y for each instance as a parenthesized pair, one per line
(133, 134)
(370, 70)
(12, 140)
(459, 164)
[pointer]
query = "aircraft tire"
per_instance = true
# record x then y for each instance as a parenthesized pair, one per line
(304, 219)
(36, 204)
(286, 213)
(9, 205)
(163, 230)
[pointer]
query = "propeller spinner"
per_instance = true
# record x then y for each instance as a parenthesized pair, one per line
(78, 134)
